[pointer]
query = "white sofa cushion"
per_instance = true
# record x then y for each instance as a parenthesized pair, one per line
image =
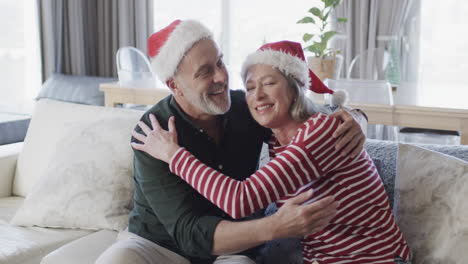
(85, 250)
(28, 245)
(76, 165)
(8, 208)
(431, 202)
(8, 156)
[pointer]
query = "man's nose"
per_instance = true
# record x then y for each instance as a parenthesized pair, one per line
(220, 75)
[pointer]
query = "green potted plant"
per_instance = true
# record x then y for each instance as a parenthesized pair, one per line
(323, 63)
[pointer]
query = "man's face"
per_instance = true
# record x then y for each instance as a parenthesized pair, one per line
(202, 80)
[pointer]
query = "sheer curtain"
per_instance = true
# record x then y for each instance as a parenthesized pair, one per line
(371, 24)
(443, 53)
(358, 33)
(20, 63)
(391, 18)
(81, 37)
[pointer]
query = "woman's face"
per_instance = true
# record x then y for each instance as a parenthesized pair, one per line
(268, 96)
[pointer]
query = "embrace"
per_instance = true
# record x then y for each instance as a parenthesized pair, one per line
(196, 164)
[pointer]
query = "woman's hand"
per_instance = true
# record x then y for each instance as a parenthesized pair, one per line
(159, 143)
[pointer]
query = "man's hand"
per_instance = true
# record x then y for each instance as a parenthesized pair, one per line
(352, 138)
(293, 219)
(296, 219)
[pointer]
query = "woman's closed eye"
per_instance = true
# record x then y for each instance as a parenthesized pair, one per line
(249, 88)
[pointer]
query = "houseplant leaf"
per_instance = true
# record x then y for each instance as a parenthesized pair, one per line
(321, 46)
(316, 12)
(342, 20)
(327, 36)
(325, 17)
(307, 37)
(314, 48)
(305, 20)
(328, 3)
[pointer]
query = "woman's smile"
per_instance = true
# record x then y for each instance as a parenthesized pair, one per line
(263, 108)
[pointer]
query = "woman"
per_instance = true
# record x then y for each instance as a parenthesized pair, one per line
(303, 158)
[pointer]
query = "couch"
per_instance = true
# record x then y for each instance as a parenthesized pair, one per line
(385, 156)
(20, 244)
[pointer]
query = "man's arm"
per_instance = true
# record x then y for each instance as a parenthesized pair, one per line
(293, 219)
(361, 118)
(351, 131)
(176, 205)
(182, 212)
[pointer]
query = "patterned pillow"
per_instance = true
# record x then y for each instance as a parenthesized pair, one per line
(76, 167)
(431, 198)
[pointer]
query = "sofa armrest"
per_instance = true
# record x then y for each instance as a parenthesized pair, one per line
(8, 156)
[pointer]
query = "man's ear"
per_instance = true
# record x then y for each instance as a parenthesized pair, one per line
(172, 84)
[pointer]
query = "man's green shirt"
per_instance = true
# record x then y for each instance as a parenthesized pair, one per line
(170, 212)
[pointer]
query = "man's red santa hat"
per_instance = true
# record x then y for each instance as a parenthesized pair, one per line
(167, 47)
(288, 57)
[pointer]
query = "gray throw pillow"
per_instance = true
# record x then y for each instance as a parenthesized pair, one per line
(74, 89)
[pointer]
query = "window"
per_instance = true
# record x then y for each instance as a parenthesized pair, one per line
(443, 56)
(207, 12)
(20, 71)
(240, 26)
(254, 23)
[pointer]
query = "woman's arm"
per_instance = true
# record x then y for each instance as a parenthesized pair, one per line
(291, 169)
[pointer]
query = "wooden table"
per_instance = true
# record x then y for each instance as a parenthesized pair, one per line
(419, 117)
(412, 108)
(115, 94)
(441, 107)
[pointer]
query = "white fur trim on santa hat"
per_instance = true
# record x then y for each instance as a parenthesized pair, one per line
(286, 63)
(184, 36)
(339, 98)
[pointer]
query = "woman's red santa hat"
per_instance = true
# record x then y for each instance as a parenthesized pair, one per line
(288, 57)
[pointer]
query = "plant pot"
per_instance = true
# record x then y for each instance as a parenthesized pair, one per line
(324, 67)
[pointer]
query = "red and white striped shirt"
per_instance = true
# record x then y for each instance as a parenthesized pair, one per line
(363, 231)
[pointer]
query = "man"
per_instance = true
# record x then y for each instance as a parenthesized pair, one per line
(170, 221)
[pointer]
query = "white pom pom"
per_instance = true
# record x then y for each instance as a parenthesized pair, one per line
(339, 98)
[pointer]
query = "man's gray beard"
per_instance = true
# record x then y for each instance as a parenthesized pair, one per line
(203, 102)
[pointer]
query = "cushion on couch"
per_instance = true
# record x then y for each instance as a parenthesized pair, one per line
(431, 201)
(76, 167)
(85, 250)
(386, 152)
(75, 89)
(28, 245)
(8, 156)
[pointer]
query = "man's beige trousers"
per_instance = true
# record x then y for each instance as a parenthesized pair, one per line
(133, 249)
